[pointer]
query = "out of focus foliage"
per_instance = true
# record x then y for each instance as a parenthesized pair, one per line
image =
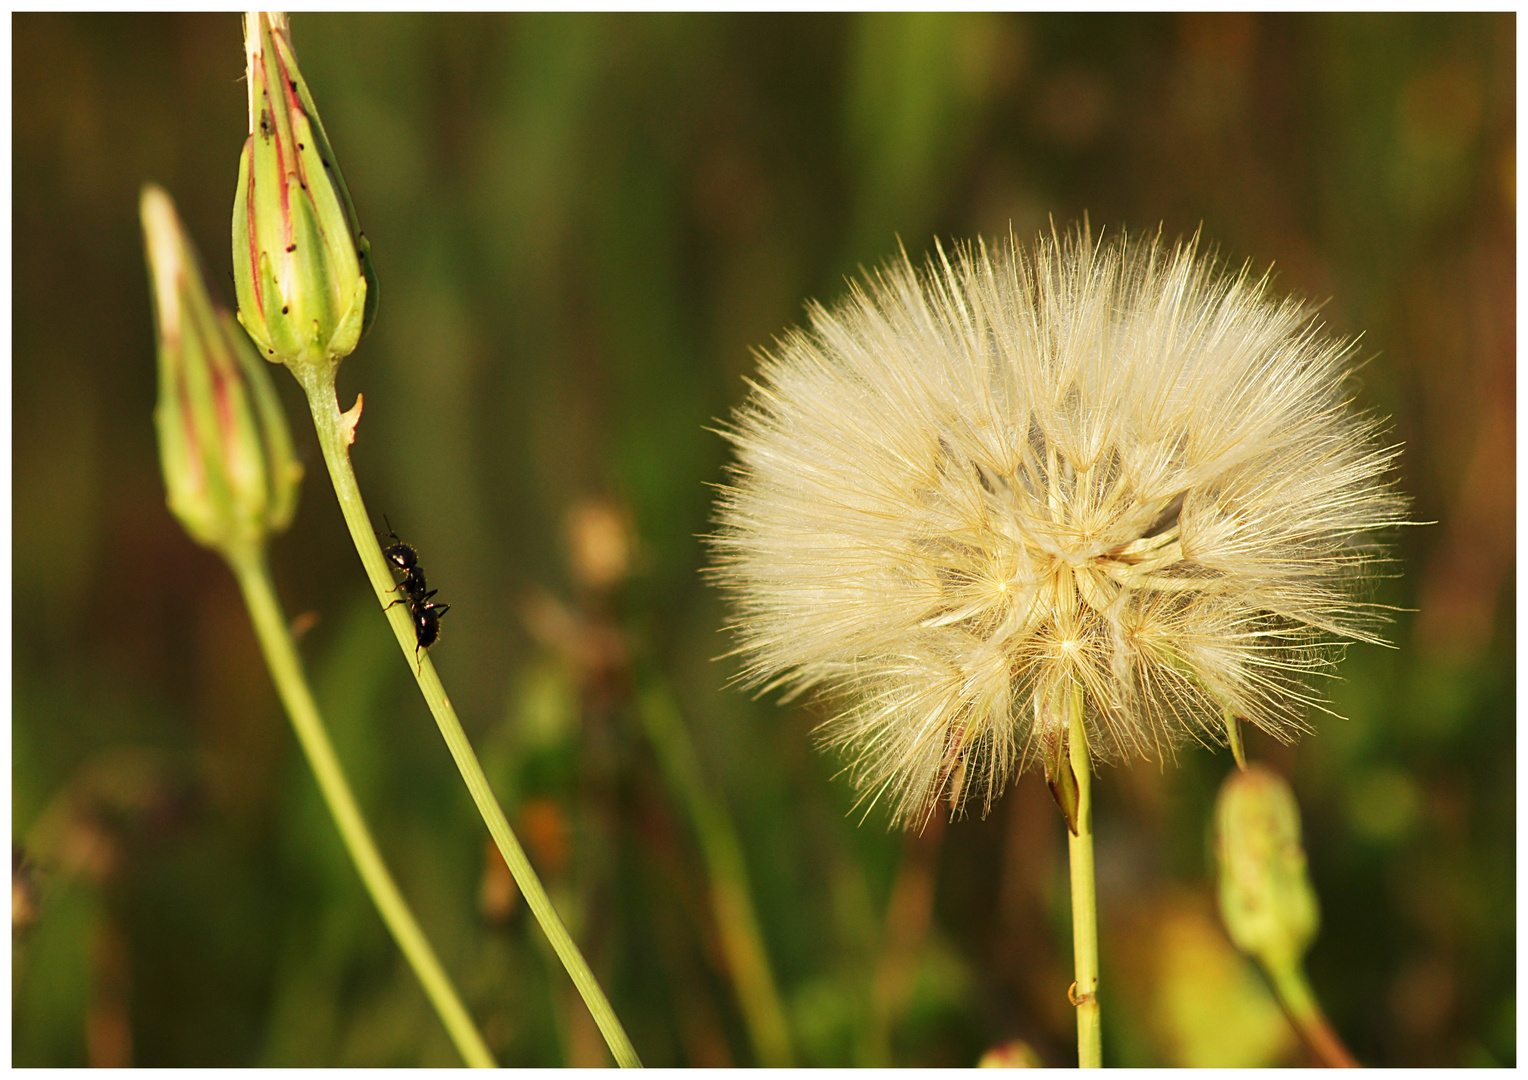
(582, 225)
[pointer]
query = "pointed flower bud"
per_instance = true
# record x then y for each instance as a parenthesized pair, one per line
(302, 269)
(223, 442)
(1266, 899)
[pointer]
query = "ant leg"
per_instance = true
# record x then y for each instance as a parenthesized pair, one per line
(406, 598)
(403, 587)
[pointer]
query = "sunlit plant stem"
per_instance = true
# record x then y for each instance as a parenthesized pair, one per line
(1084, 992)
(253, 573)
(307, 291)
(231, 480)
(1300, 1005)
(335, 433)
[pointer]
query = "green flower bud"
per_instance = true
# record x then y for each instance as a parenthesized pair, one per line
(1266, 899)
(223, 443)
(301, 267)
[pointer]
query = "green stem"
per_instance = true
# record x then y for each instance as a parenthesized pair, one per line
(1305, 1013)
(335, 434)
(731, 897)
(1084, 893)
(281, 656)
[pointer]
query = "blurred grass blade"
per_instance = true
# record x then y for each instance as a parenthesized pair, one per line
(731, 895)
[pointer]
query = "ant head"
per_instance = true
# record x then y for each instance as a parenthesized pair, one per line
(399, 555)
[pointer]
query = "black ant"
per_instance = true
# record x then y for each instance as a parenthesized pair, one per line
(426, 613)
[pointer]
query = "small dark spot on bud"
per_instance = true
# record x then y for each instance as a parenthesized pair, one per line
(300, 146)
(326, 164)
(294, 83)
(271, 351)
(291, 248)
(283, 309)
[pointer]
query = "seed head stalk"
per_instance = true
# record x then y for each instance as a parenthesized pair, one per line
(1084, 892)
(335, 433)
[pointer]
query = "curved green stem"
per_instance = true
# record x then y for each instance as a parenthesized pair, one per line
(1084, 893)
(1300, 1005)
(281, 656)
(335, 433)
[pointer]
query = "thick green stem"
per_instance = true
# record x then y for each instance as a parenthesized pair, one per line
(731, 897)
(1084, 894)
(335, 433)
(1305, 1013)
(286, 670)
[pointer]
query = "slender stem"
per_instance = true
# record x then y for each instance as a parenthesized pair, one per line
(281, 656)
(1305, 1013)
(334, 437)
(1084, 893)
(731, 897)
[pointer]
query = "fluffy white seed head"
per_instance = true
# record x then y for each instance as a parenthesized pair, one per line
(964, 493)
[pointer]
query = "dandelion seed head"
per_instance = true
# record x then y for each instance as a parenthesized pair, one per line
(964, 492)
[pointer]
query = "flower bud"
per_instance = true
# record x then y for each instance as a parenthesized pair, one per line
(301, 267)
(1266, 899)
(223, 442)
(1013, 1054)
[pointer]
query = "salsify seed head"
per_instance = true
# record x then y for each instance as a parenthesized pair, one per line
(963, 495)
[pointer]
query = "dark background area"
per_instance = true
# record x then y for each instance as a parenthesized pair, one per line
(582, 226)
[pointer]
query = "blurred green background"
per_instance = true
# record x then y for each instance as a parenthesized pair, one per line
(583, 225)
